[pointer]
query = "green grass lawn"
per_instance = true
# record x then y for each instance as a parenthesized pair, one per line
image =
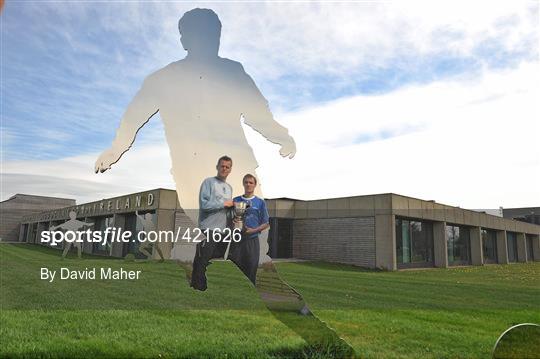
(457, 312)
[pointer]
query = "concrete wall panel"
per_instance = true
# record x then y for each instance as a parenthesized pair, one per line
(383, 204)
(521, 247)
(502, 249)
(459, 216)
(338, 207)
(167, 199)
(439, 212)
(301, 209)
(415, 208)
(449, 214)
(400, 206)
(385, 241)
(317, 209)
(427, 210)
(362, 206)
(440, 245)
(476, 246)
(284, 208)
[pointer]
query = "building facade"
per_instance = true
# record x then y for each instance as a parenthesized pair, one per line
(527, 214)
(118, 212)
(16, 207)
(391, 232)
(385, 231)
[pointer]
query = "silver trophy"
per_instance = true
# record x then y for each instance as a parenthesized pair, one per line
(239, 213)
(238, 221)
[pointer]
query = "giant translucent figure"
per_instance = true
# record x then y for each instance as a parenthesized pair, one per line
(202, 99)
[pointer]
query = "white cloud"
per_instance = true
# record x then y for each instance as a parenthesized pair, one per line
(342, 37)
(303, 42)
(142, 168)
(273, 39)
(475, 144)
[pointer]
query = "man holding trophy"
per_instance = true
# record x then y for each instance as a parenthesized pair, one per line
(215, 200)
(251, 216)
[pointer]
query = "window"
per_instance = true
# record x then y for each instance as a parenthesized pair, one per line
(530, 251)
(458, 245)
(414, 243)
(134, 225)
(24, 231)
(32, 233)
(489, 245)
(101, 224)
(511, 244)
(280, 238)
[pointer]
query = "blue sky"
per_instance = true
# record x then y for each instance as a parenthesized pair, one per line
(69, 69)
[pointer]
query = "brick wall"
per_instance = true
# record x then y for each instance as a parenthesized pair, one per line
(339, 240)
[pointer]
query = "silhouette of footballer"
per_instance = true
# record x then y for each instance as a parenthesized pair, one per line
(147, 246)
(202, 100)
(72, 224)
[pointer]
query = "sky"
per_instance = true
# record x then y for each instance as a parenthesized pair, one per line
(434, 100)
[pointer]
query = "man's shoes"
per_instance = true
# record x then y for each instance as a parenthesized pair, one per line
(198, 278)
(198, 282)
(198, 285)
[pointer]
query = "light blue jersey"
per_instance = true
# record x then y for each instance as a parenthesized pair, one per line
(256, 213)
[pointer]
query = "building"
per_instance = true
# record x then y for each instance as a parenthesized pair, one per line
(118, 212)
(527, 214)
(16, 207)
(390, 231)
(385, 231)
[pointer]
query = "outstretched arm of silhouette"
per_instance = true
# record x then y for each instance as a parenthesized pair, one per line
(82, 224)
(61, 226)
(139, 111)
(258, 116)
